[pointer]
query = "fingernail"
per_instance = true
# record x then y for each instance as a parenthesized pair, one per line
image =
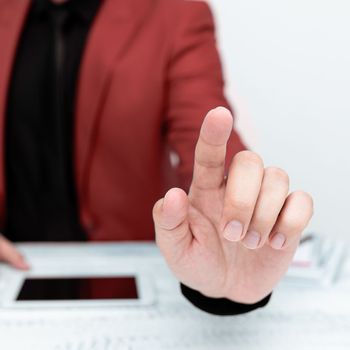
(233, 231)
(278, 241)
(251, 239)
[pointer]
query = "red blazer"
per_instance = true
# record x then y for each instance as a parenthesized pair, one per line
(149, 74)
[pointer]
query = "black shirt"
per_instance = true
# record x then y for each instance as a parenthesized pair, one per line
(41, 200)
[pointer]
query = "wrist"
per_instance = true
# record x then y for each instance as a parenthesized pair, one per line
(220, 306)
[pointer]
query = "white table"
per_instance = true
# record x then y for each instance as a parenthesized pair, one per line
(296, 318)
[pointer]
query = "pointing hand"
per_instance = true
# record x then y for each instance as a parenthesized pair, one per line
(230, 237)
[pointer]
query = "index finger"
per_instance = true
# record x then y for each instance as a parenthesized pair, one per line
(210, 153)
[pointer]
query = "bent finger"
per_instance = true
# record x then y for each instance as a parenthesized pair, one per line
(241, 194)
(273, 193)
(295, 216)
(170, 219)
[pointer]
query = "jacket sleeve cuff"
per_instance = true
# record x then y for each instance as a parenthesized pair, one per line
(219, 306)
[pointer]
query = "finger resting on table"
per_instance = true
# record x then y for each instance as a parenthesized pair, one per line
(10, 255)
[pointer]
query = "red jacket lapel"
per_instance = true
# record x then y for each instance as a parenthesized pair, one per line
(112, 30)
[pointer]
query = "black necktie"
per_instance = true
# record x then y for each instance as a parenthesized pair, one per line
(59, 20)
(55, 166)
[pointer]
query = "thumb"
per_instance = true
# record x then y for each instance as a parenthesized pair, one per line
(10, 255)
(171, 225)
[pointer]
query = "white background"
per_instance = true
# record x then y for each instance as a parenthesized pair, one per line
(287, 67)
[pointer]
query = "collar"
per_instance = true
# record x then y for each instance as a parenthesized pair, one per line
(85, 9)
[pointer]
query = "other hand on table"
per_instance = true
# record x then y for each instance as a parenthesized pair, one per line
(9, 254)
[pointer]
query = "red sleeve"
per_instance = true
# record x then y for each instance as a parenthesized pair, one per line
(195, 85)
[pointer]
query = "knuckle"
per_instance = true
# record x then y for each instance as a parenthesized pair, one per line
(209, 156)
(249, 157)
(299, 211)
(293, 223)
(277, 174)
(210, 163)
(240, 204)
(304, 198)
(262, 222)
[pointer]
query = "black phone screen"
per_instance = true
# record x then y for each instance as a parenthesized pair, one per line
(81, 288)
